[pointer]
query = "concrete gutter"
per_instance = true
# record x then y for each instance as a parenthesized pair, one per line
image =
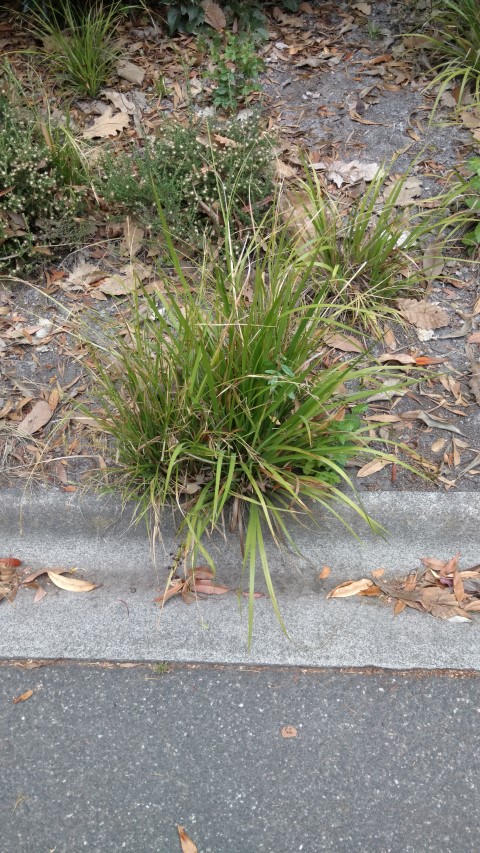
(119, 621)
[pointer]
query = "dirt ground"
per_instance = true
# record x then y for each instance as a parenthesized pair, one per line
(340, 85)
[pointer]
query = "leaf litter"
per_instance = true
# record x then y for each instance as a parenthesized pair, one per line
(333, 89)
(12, 579)
(439, 589)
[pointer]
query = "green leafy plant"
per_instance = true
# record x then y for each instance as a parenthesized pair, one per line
(79, 44)
(184, 17)
(35, 204)
(455, 46)
(219, 402)
(234, 72)
(249, 18)
(368, 253)
(184, 168)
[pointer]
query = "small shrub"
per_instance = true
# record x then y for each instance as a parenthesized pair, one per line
(249, 18)
(219, 402)
(235, 68)
(184, 17)
(33, 200)
(188, 17)
(188, 171)
(79, 42)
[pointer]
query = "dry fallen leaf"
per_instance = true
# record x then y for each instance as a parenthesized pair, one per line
(214, 15)
(410, 190)
(364, 8)
(398, 358)
(23, 697)
(345, 343)
(56, 576)
(471, 118)
(71, 584)
(350, 173)
(324, 573)
(107, 124)
(84, 274)
(36, 419)
(430, 421)
(131, 72)
(289, 731)
(186, 842)
(34, 575)
(441, 590)
(9, 563)
(349, 588)
(40, 593)
(372, 467)
(198, 580)
(378, 573)
(284, 170)
(422, 314)
(127, 280)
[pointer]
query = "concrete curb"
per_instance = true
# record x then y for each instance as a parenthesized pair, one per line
(119, 621)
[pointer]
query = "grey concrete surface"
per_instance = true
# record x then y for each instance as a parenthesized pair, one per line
(120, 621)
(107, 760)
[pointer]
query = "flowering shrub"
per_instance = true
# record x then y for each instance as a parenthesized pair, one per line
(187, 172)
(31, 200)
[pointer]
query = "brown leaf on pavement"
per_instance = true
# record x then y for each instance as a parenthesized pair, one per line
(186, 842)
(289, 731)
(8, 578)
(56, 576)
(440, 590)
(349, 588)
(198, 580)
(9, 563)
(23, 697)
(71, 584)
(378, 573)
(324, 573)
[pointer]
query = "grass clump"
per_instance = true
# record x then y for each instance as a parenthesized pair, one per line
(455, 47)
(183, 169)
(368, 253)
(219, 402)
(79, 43)
(35, 204)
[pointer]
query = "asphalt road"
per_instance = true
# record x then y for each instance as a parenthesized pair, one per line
(110, 759)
